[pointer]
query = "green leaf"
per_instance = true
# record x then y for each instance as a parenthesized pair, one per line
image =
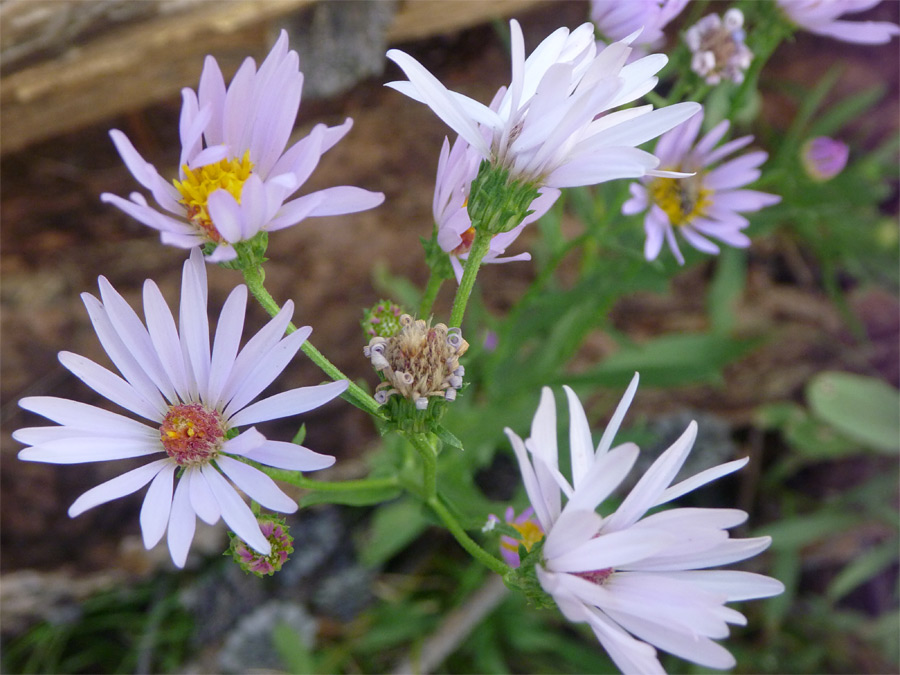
(448, 438)
(866, 409)
(669, 360)
(291, 649)
(799, 531)
(726, 289)
(300, 436)
(812, 439)
(351, 498)
(393, 527)
(863, 568)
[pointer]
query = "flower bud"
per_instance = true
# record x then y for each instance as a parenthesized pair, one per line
(276, 532)
(824, 158)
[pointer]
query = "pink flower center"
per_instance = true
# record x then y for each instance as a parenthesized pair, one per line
(192, 434)
(598, 577)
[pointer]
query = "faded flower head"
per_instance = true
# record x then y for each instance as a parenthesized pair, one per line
(382, 319)
(554, 126)
(821, 17)
(718, 48)
(276, 533)
(824, 158)
(707, 204)
(637, 580)
(236, 178)
(196, 400)
(418, 362)
(617, 20)
(457, 168)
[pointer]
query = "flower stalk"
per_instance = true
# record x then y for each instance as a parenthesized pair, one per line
(254, 277)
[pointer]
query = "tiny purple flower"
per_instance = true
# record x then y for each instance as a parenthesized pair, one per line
(616, 20)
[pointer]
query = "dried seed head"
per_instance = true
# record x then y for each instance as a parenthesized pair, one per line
(418, 362)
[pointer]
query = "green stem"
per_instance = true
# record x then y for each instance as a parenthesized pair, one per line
(480, 246)
(425, 448)
(431, 290)
(465, 540)
(301, 481)
(355, 394)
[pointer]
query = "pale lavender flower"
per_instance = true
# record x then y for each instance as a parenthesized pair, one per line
(236, 178)
(195, 398)
(616, 20)
(639, 581)
(821, 17)
(457, 168)
(553, 126)
(824, 158)
(707, 204)
(718, 48)
(529, 531)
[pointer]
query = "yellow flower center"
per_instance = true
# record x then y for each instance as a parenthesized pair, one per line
(682, 199)
(199, 184)
(530, 532)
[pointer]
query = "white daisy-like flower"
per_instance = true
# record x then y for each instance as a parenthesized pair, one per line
(457, 168)
(195, 398)
(553, 126)
(821, 17)
(236, 178)
(638, 580)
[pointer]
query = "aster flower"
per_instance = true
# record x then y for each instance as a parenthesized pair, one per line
(457, 168)
(195, 398)
(553, 126)
(616, 20)
(824, 158)
(718, 48)
(236, 178)
(528, 529)
(821, 17)
(707, 204)
(637, 580)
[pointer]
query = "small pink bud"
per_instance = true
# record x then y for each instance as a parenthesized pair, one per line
(824, 158)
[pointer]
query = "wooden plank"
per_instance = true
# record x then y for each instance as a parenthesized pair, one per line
(138, 64)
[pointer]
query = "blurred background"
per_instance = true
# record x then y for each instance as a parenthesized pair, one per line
(367, 593)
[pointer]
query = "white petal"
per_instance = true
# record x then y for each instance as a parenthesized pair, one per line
(203, 502)
(581, 445)
(611, 550)
(702, 478)
(612, 428)
(235, 512)
(227, 341)
(156, 507)
(289, 456)
(194, 322)
(85, 417)
(288, 403)
(532, 488)
(164, 336)
(127, 483)
(734, 584)
(267, 369)
(244, 442)
(630, 655)
(542, 444)
(652, 483)
(182, 524)
(257, 485)
(90, 449)
(604, 476)
(568, 533)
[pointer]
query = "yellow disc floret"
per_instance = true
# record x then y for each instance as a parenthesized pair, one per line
(682, 199)
(530, 534)
(199, 184)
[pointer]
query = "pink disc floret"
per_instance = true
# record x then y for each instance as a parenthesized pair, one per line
(192, 434)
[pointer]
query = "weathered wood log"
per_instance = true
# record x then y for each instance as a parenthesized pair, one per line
(107, 57)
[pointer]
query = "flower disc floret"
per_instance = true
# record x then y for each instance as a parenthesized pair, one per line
(192, 434)
(197, 185)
